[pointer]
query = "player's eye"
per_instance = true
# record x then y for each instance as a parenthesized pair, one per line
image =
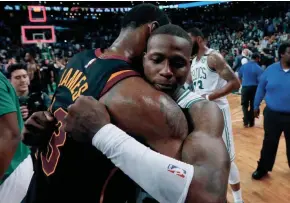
(178, 64)
(157, 59)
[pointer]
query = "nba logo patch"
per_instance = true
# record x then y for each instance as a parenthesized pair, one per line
(176, 170)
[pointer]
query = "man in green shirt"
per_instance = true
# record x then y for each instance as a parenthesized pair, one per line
(16, 167)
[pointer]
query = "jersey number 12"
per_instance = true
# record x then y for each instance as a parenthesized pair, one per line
(199, 84)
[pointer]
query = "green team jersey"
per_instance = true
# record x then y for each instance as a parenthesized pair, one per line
(46, 54)
(9, 103)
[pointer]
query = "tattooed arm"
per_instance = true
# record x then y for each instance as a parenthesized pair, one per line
(156, 118)
(206, 151)
(217, 62)
(204, 170)
(140, 110)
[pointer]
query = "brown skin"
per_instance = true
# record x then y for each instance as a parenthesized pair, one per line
(216, 62)
(161, 122)
(168, 63)
(134, 98)
(138, 109)
(161, 116)
(204, 148)
(32, 67)
(9, 140)
(38, 129)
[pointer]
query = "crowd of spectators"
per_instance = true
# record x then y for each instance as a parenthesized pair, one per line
(230, 26)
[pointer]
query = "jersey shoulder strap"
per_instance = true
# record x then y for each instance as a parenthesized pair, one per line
(117, 77)
(120, 69)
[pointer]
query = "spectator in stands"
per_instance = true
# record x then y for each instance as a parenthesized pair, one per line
(47, 76)
(274, 87)
(33, 70)
(59, 65)
(29, 102)
(249, 75)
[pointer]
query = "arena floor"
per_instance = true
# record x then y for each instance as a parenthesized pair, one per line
(275, 188)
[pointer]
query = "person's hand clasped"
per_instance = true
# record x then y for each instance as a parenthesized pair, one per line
(38, 129)
(85, 118)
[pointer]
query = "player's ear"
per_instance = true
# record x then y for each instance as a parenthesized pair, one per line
(152, 26)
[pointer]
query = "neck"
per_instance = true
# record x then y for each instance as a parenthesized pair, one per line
(201, 51)
(22, 94)
(124, 44)
(285, 65)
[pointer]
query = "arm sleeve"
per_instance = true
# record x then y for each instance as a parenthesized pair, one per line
(164, 178)
(7, 105)
(261, 90)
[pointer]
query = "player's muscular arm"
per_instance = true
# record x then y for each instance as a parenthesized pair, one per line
(205, 150)
(9, 139)
(140, 110)
(202, 179)
(218, 63)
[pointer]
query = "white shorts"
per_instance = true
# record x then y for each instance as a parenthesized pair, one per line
(14, 188)
(228, 132)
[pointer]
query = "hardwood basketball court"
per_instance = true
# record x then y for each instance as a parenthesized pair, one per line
(275, 188)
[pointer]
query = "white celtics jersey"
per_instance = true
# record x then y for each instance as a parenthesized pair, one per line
(206, 80)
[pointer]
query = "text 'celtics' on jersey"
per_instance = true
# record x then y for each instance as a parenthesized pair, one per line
(206, 80)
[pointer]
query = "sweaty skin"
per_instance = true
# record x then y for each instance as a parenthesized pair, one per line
(205, 150)
(140, 110)
(163, 125)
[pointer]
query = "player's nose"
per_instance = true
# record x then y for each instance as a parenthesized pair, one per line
(166, 72)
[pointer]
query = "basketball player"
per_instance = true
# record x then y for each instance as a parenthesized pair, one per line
(79, 171)
(212, 77)
(166, 66)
